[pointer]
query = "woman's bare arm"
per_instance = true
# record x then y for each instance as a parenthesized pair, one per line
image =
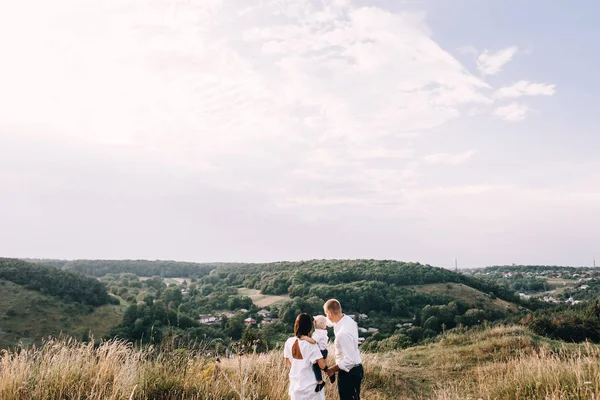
(322, 363)
(288, 363)
(308, 339)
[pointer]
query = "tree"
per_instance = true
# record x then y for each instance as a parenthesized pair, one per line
(433, 323)
(472, 317)
(235, 326)
(172, 295)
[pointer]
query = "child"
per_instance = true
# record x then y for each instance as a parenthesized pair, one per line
(320, 336)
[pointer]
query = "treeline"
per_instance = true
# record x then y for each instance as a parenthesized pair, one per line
(275, 278)
(368, 296)
(47, 262)
(48, 280)
(167, 269)
(517, 282)
(295, 278)
(535, 269)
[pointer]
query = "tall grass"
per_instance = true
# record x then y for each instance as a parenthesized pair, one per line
(68, 369)
(542, 374)
(496, 363)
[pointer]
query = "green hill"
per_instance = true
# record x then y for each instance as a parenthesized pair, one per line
(69, 286)
(28, 316)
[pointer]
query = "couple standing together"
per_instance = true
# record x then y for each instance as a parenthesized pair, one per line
(303, 354)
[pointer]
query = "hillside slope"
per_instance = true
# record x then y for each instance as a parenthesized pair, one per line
(27, 316)
(468, 295)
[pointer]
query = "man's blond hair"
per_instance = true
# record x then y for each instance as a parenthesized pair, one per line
(333, 306)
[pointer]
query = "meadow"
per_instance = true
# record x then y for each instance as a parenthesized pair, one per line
(505, 362)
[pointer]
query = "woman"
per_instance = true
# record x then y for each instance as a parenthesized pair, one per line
(300, 353)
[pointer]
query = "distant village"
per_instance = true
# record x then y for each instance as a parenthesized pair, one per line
(264, 315)
(573, 279)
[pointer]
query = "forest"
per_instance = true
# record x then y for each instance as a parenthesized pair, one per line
(62, 284)
(99, 268)
(383, 292)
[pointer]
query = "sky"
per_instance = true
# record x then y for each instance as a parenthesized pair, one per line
(266, 130)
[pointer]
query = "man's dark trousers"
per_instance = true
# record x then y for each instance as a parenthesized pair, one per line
(349, 383)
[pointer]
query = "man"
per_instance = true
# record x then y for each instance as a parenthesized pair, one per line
(347, 357)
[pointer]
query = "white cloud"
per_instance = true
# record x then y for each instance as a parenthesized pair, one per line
(512, 112)
(221, 82)
(449, 158)
(526, 88)
(491, 63)
(303, 86)
(262, 105)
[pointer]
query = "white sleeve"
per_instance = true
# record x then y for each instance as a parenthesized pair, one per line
(287, 352)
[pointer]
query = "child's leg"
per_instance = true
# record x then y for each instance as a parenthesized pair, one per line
(317, 370)
(325, 353)
(318, 373)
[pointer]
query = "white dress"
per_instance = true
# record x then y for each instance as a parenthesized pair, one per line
(302, 378)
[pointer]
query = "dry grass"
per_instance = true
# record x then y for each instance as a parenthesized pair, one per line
(262, 300)
(543, 374)
(68, 369)
(495, 363)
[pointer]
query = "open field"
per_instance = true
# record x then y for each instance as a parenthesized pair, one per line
(261, 300)
(495, 363)
(559, 282)
(466, 294)
(560, 285)
(168, 281)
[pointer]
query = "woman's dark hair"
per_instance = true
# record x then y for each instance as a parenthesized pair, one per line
(303, 325)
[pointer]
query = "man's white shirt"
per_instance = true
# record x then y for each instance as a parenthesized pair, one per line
(347, 355)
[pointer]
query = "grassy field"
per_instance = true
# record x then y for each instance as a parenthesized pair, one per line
(34, 315)
(472, 297)
(559, 286)
(261, 300)
(168, 281)
(496, 363)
